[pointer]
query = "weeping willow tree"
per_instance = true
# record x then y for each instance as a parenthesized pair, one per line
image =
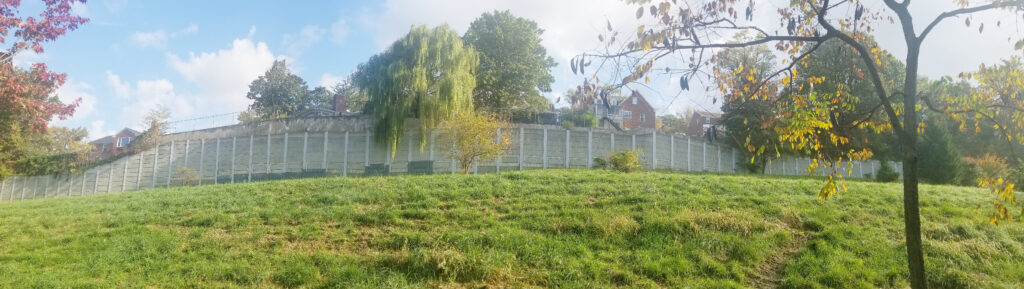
(429, 74)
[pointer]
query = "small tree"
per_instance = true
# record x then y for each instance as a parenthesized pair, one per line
(473, 137)
(156, 120)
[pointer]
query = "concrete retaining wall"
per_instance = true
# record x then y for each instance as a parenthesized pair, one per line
(343, 147)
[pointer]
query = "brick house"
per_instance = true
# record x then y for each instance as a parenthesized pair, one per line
(113, 144)
(637, 113)
(633, 112)
(701, 121)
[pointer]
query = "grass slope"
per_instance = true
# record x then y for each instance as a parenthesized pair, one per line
(556, 228)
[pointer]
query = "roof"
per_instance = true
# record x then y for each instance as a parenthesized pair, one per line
(110, 138)
(135, 132)
(103, 140)
(710, 114)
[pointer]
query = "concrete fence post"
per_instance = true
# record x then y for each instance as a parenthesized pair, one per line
(544, 154)
(632, 144)
(408, 152)
(138, 173)
(703, 156)
(35, 187)
(170, 164)
(497, 162)
(521, 155)
(81, 191)
(366, 150)
(234, 149)
(266, 173)
(323, 163)
(187, 146)
(202, 160)
(611, 148)
(156, 160)
(344, 157)
(14, 187)
(671, 151)
(110, 176)
(305, 147)
(432, 136)
(124, 176)
(567, 154)
(252, 140)
(2, 187)
(718, 154)
(590, 149)
(284, 156)
(24, 188)
(70, 182)
(688, 154)
(654, 150)
(733, 150)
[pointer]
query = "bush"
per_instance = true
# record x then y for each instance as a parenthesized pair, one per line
(886, 173)
(625, 161)
(186, 177)
(568, 125)
(600, 163)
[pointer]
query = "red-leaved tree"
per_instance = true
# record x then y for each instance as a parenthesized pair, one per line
(27, 99)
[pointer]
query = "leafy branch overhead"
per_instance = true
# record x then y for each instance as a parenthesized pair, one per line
(821, 115)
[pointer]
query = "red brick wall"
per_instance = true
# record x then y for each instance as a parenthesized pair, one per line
(641, 108)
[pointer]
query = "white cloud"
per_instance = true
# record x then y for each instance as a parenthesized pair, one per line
(151, 94)
(155, 39)
(79, 9)
(192, 28)
(222, 77)
(339, 31)
(329, 80)
(252, 31)
(97, 130)
(122, 90)
(72, 91)
(28, 57)
(308, 36)
(147, 95)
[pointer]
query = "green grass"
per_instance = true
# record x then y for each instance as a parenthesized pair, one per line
(556, 228)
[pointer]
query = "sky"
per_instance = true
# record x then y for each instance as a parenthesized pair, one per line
(197, 58)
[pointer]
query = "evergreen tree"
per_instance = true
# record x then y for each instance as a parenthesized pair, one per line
(940, 160)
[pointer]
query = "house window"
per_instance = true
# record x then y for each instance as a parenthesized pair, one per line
(124, 141)
(634, 101)
(707, 119)
(643, 117)
(627, 114)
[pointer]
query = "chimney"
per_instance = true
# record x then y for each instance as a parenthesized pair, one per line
(339, 103)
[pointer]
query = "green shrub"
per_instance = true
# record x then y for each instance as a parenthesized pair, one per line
(568, 125)
(886, 173)
(186, 177)
(600, 163)
(625, 161)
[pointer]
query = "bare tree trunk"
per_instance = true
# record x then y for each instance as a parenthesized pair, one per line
(911, 205)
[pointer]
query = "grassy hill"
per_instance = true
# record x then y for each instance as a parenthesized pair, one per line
(556, 228)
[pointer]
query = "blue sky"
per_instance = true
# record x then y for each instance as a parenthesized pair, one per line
(198, 57)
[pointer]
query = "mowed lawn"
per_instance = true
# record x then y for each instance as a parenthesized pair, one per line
(533, 229)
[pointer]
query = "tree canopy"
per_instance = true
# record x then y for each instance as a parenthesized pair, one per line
(514, 67)
(428, 74)
(684, 36)
(279, 93)
(27, 95)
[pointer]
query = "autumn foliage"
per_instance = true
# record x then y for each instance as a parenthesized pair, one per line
(27, 100)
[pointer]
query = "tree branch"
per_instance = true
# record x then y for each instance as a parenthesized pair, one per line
(961, 11)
